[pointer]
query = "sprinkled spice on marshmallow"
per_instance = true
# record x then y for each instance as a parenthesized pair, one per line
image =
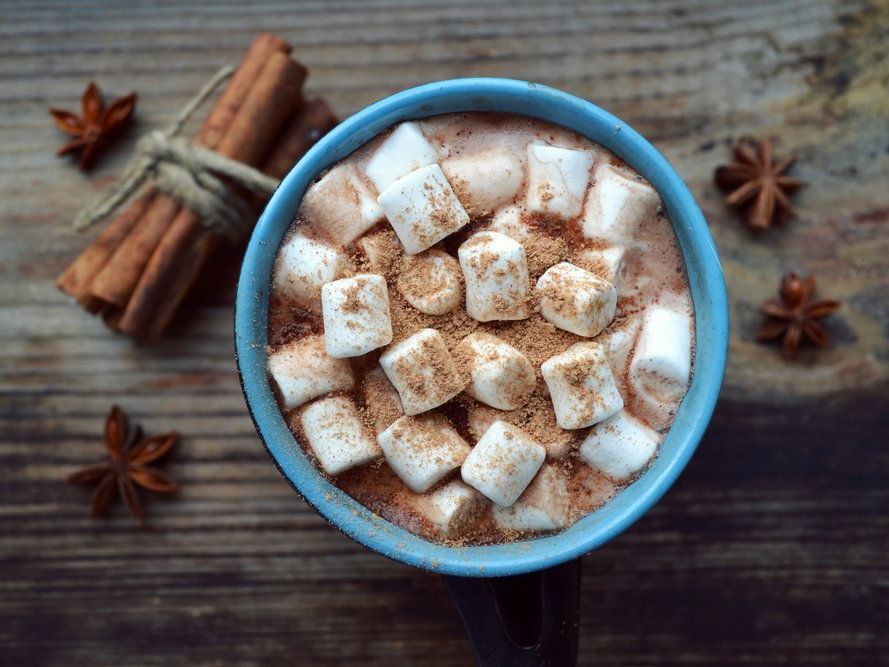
(495, 268)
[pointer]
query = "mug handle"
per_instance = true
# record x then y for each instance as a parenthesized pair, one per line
(524, 620)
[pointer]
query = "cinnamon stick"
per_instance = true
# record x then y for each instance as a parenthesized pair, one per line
(185, 247)
(78, 277)
(114, 283)
(123, 265)
(306, 126)
(277, 92)
(218, 121)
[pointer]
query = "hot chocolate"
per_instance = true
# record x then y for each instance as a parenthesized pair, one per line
(480, 326)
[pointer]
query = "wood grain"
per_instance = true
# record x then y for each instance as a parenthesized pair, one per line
(772, 547)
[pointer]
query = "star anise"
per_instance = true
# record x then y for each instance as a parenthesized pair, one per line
(95, 125)
(127, 467)
(794, 316)
(757, 183)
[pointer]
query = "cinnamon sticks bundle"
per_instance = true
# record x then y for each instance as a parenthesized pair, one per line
(140, 268)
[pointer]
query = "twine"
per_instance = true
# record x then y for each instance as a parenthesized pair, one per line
(195, 177)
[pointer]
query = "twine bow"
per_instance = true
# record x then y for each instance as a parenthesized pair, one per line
(196, 177)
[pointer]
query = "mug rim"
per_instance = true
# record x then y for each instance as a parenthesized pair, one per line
(702, 268)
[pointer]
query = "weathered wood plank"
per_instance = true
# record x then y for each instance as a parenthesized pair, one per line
(762, 553)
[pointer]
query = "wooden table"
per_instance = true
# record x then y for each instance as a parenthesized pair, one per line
(772, 547)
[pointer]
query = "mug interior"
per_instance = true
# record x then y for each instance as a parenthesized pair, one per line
(705, 280)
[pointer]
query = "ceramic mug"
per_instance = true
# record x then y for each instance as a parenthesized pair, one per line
(511, 619)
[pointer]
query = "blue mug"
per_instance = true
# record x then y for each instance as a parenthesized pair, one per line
(501, 630)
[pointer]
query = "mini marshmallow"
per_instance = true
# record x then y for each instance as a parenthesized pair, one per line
(381, 400)
(496, 272)
(451, 506)
(356, 315)
(557, 442)
(510, 221)
(403, 151)
(503, 463)
(382, 251)
(576, 300)
(620, 446)
(422, 450)
(545, 504)
(341, 204)
(557, 180)
(431, 282)
(581, 386)
(604, 262)
(616, 205)
(423, 371)
(422, 208)
(336, 435)
(486, 180)
(303, 370)
(618, 344)
(304, 265)
(661, 363)
(499, 375)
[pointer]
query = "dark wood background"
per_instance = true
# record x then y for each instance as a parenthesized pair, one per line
(770, 550)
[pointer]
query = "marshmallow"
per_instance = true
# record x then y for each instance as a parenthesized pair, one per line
(356, 315)
(618, 343)
(661, 363)
(336, 435)
(496, 272)
(422, 208)
(576, 300)
(431, 282)
(604, 262)
(451, 506)
(557, 180)
(382, 251)
(422, 370)
(486, 180)
(545, 504)
(616, 205)
(422, 450)
(557, 442)
(381, 400)
(503, 463)
(499, 375)
(510, 221)
(341, 204)
(403, 151)
(620, 446)
(581, 386)
(304, 265)
(303, 370)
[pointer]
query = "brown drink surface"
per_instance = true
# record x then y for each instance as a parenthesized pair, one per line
(650, 274)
